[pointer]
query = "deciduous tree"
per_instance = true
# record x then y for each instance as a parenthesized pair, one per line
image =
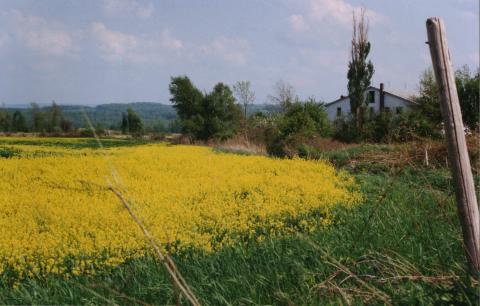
(244, 94)
(360, 69)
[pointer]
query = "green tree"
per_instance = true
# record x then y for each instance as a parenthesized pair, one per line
(5, 121)
(296, 126)
(306, 118)
(66, 125)
(214, 115)
(39, 118)
(221, 116)
(18, 122)
(135, 124)
(186, 98)
(360, 70)
(55, 118)
(124, 124)
(159, 127)
(427, 102)
(468, 93)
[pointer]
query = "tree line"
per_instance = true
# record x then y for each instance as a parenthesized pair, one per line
(50, 120)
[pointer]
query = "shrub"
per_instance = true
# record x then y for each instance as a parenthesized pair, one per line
(299, 122)
(386, 128)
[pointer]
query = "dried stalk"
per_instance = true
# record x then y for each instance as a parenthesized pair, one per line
(177, 280)
(175, 275)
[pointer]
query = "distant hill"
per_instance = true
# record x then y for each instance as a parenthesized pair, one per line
(110, 115)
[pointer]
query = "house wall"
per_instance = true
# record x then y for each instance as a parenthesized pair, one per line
(332, 109)
(391, 102)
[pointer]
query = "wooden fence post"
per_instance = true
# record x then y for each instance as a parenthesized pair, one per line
(457, 147)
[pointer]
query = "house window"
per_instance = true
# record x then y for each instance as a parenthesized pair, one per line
(399, 110)
(339, 111)
(371, 96)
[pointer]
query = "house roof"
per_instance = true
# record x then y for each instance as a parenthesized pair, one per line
(369, 88)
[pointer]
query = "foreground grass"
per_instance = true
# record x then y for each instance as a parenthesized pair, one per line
(402, 246)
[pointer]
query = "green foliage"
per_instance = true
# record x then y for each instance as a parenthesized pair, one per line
(386, 128)
(79, 143)
(427, 102)
(5, 121)
(135, 124)
(213, 115)
(39, 118)
(300, 120)
(360, 70)
(18, 122)
(306, 118)
(8, 152)
(346, 130)
(55, 118)
(66, 125)
(99, 129)
(186, 98)
(468, 87)
(131, 122)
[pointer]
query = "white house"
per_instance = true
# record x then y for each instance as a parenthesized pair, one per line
(377, 98)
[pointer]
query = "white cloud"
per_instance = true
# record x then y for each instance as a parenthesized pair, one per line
(118, 46)
(128, 7)
(338, 12)
(232, 50)
(114, 45)
(48, 38)
(298, 23)
(170, 42)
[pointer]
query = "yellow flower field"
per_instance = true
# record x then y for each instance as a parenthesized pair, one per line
(58, 216)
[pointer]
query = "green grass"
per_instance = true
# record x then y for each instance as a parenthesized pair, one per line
(382, 251)
(8, 152)
(73, 143)
(341, 157)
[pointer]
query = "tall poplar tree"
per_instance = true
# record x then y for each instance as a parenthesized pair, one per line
(360, 70)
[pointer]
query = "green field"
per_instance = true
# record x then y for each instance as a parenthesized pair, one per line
(402, 246)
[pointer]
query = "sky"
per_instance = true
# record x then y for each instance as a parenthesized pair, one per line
(113, 51)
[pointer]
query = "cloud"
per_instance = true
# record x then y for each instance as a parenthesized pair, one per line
(128, 7)
(298, 23)
(118, 46)
(48, 38)
(337, 12)
(232, 50)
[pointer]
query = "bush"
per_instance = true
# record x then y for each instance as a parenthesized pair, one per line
(300, 121)
(387, 128)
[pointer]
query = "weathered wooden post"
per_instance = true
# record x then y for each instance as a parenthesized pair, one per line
(457, 147)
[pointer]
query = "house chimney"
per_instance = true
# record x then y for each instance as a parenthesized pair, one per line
(382, 98)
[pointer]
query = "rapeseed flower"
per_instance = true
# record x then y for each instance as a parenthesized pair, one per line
(58, 216)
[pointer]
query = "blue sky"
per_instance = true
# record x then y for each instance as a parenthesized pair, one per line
(104, 51)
